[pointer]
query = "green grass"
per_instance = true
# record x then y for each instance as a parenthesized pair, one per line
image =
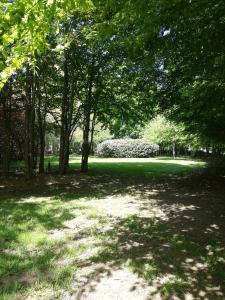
(146, 167)
(53, 226)
(34, 240)
(135, 167)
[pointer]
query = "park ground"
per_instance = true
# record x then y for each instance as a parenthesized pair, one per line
(129, 229)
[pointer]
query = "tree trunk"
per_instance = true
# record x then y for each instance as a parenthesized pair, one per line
(85, 145)
(88, 107)
(30, 125)
(41, 166)
(41, 134)
(64, 130)
(92, 134)
(174, 150)
(41, 118)
(6, 142)
(6, 127)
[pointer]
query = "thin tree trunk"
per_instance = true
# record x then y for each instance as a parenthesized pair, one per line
(92, 134)
(6, 149)
(85, 145)
(174, 150)
(88, 107)
(41, 129)
(64, 130)
(41, 166)
(41, 117)
(30, 125)
(86, 126)
(28, 154)
(6, 124)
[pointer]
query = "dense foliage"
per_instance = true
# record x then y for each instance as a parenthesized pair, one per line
(172, 137)
(66, 65)
(126, 148)
(181, 49)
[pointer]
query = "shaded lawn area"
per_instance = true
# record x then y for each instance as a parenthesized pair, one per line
(147, 167)
(144, 167)
(74, 236)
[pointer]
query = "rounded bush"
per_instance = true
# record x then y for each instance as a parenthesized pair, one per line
(126, 148)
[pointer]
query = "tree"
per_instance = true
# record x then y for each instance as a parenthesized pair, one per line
(166, 134)
(117, 63)
(180, 47)
(25, 28)
(6, 125)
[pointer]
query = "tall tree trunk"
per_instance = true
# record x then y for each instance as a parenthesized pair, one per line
(41, 118)
(61, 149)
(41, 134)
(6, 125)
(6, 147)
(86, 125)
(28, 155)
(85, 145)
(30, 124)
(64, 130)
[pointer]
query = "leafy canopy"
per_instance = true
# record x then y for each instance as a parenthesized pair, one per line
(25, 27)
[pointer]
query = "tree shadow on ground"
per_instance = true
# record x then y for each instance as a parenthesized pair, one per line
(175, 241)
(180, 252)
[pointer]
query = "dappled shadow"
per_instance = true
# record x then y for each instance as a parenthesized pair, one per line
(174, 239)
(47, 265)
(171, 262)
(36, 219)
(176, 243)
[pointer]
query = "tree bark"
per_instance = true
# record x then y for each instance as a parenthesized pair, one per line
(6, 125)
(6, 148)
(85, 145)
(41, 118)
(86, 127)
(30, 124)
(93, 122)
(41, 135)
(64, 130)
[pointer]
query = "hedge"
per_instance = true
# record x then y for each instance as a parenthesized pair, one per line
(126, 148)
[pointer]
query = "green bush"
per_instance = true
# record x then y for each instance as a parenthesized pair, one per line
(126, 148)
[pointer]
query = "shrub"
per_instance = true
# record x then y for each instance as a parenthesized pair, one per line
(126, 148)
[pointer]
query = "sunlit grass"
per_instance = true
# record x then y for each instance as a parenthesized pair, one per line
(141, 167)
(51, 229)
(150, 167)
(36, 245)
(135, 167)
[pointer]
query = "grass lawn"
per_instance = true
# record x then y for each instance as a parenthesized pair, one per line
(143, 235)
(144, 167)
